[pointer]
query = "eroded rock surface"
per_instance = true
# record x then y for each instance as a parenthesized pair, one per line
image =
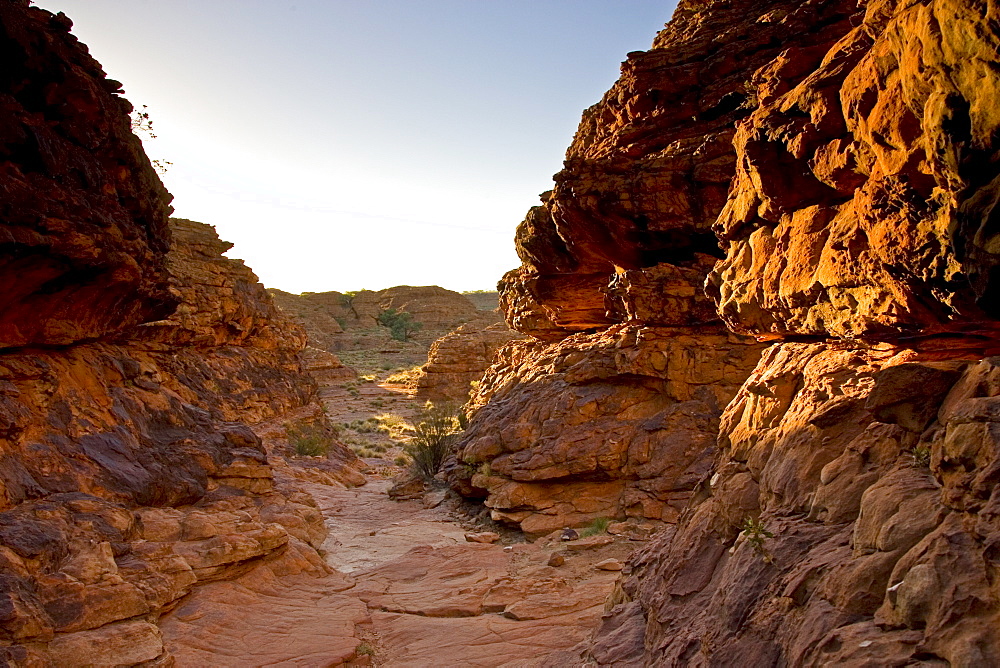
(134, 358)
(848, 517)
(615, 425)
(83, 217)
(866, 171)
(461, 357)
(330, 318)
(617, 255)
(131, 474)
(408, 590)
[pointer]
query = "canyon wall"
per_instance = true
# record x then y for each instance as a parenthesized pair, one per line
(458, 359)
(833, 502)
(612, 408)
(860, 458)
(133, 358)
(331, 319)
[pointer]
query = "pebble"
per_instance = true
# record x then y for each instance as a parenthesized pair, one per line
(609, 565)
(482, 537)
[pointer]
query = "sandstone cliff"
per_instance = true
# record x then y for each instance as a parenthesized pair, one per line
(842, 511)
(617, 255)
(331, 319)
(460, 358)
(129, 471)
(859, 215)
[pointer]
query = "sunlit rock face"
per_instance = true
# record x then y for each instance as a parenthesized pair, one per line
(133, 358)
(863, 204)
(625, 238)
(850, 516)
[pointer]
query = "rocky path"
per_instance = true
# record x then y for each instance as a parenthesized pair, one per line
(401, 587)
(397, 584)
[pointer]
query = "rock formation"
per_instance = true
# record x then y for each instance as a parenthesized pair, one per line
(132, 358)
(83, 216)
(461, 357)
(330, 317)
(614, 407)
(848, 513)
(484, 300)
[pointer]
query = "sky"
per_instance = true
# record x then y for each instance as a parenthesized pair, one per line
(362, 144)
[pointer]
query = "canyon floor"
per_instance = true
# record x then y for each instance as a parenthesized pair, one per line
(401, 585)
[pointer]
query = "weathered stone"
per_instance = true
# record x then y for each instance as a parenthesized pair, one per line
(482, 537)
(83, 219)
(329, 317)
(860, 202)
(461, 357)
(611, 425)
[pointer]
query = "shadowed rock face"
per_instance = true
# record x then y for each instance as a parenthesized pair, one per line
(83, 217)
(620, 424)
(109, 444)
(133, 358)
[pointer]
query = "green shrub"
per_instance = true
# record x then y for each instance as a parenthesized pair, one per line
(433, 437)
(755, 534)
(406, 377)
(400, 323)
(921, 456)
(368, 426)
(308, 440)
(598, 526)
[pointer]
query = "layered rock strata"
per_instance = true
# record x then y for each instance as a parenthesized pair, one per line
(129, 472)
(458, 359)
(330, 318)
(611, 425)
(850, 514)
(83, 217)
(625, 238)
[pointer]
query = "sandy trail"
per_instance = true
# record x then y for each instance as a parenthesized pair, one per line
(400, 586)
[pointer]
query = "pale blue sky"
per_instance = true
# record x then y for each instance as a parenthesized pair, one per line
(346, 144)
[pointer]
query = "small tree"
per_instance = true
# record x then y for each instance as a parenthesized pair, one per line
(434, 434)
(142, 124)
(400, 323)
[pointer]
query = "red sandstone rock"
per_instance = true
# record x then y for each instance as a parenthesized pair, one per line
(83, 217)
(880, 141)
(853, 213)
(615, 425)
(129, 472)
(458, 359)
(328, 316)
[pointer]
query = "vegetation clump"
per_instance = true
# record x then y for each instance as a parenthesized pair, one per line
(922, 456)
(434, 434)
(308, 440)
(755, 534)
(400, 323)
(598, 526)
(405, 377)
